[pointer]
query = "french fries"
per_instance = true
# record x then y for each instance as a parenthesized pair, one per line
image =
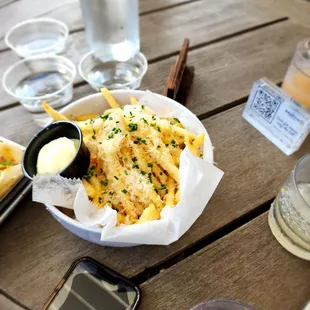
(135, 158)
(53, 113)
(86, 117)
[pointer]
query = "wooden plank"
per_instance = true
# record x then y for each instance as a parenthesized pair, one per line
(297, 10)
(262, 53)
(225, 72)
(67, 11)
(200, 21)
(8, 304)
(248, 265)
(48, 250)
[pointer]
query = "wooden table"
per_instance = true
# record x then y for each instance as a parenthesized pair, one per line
(229, 252)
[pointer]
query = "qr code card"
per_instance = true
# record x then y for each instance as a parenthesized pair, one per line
(277, 116)
(266, 105)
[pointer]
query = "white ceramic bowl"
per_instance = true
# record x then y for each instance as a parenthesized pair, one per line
(97, 104)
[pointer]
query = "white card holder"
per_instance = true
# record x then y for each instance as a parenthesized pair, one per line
(282, 120)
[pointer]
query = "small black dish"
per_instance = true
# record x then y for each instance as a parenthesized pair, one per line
(78, 166)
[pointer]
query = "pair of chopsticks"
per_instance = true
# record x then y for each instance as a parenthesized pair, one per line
(180, 77)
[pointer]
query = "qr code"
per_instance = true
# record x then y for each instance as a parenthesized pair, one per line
(265, 105)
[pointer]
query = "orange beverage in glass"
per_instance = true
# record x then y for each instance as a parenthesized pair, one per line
(297, 80)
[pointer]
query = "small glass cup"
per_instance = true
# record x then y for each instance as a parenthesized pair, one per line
(222, 304)
(113, 74)
(37, 37)
(37, 79)
(297, 79)
(289, 216)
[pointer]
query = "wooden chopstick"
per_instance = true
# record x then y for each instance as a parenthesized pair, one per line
(180, 76)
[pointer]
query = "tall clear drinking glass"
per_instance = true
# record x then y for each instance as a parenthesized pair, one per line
(112, 28)
(289, 217)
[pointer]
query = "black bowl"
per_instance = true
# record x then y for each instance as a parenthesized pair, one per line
(78, 166)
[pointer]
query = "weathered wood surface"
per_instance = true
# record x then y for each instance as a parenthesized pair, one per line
(215, 65)
(297, 10)
(213, 86)
(247, 265)
(47, 249)
(67, 11)
(200, 21)
(8, 304)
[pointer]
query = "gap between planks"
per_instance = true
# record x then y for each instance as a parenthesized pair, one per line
(192, 48)
(149, 273)
(164, 8)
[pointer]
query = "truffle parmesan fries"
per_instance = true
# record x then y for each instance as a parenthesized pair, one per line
(135, 157)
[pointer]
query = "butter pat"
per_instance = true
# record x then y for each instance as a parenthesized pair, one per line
(56, 155)
(281, 119)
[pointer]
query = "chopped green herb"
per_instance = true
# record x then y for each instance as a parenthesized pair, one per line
(90, 173)
(134, 159)
(104, 182)
(150, 165)
(100, 142)
(111, 135)
(133, 127)
(137, 141)
(116, 130)
(105, 117)
(149, 176)
(135, 167)
(111, 193)
(167, 144)
(153, 118)
(115, 177)
(172, 141)
(6, 163)
(110, 118)
(91, 121)
(125, 171)
(158, 146)
(177, 120)
(143, 141)
(130, 113)
(193, 140)
(124, 191)
(142, 106)
(153, 124)
(126, 134)
(117, 122)
(125, 158)
(144, 120)
(143, 172)
(109, 201)
(158, 128)
(162, 186)
(100, 199)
